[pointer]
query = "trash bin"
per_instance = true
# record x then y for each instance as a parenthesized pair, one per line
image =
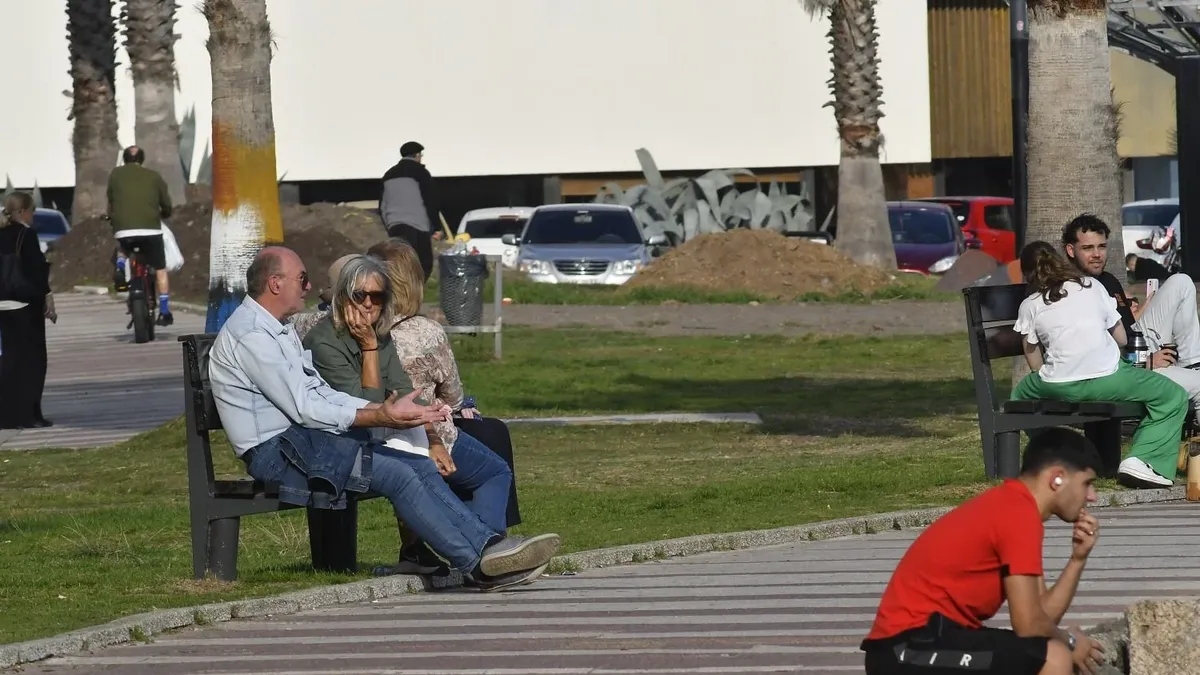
(460, 282)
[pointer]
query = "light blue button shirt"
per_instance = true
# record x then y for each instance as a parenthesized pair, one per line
(263, 381)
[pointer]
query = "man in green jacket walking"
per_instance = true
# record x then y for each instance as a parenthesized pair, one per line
(137, 202)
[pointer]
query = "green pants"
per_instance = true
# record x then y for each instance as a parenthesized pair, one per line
(1156, 441)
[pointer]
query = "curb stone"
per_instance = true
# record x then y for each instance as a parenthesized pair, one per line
(143, 626)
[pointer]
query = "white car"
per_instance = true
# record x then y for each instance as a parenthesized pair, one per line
(487, 227)
(1148, 220)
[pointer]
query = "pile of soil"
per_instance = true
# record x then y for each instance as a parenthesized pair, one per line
(319, 233)
(762, 262)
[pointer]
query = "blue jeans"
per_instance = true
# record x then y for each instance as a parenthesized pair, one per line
(426, 504)
(482, 479)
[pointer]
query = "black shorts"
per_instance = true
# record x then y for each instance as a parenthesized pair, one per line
(943, 647)
(149, 248)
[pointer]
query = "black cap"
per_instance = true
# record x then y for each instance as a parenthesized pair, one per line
(411, 149)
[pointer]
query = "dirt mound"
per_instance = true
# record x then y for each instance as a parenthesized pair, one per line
(319, 233)
(762, 262)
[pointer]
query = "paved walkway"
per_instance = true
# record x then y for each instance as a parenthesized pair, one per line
(797, 608)
(101, 387)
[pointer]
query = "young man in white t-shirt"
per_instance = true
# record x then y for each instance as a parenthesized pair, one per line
(1073, 336)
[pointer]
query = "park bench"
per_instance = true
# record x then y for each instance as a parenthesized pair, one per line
(217, 506)
(991, 313)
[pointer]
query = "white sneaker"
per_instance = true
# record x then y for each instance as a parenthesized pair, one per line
(1135, 473)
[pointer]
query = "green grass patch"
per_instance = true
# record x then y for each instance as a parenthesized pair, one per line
(526, 292)
(853, 426)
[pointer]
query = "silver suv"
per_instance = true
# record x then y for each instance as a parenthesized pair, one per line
(584, 244)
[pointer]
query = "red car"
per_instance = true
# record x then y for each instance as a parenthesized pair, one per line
(988, 219)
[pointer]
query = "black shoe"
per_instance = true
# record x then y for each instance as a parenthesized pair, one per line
(491, 584)
(42, 423)
(165, 319)
(415, 560)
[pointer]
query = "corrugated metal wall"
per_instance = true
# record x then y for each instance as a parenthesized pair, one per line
(969, 89)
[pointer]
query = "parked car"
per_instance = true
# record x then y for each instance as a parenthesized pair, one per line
(584, 244)
(487, 227)
(988, 219)
(926, 236)
(1144, 228)
(50, 225)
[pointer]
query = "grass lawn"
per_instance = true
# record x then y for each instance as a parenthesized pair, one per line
(525, 292)
(853, 426)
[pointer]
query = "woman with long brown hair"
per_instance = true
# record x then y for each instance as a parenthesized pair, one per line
(1073, 339)
(25, 305)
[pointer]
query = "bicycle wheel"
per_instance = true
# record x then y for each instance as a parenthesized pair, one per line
(139, 311)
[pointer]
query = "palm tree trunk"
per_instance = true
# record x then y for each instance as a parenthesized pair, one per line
(150, 40)
(1073, 123)
(92, 39)
(245, 192)
(863, 232)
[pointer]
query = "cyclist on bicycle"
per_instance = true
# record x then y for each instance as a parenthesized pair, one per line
(137, 202)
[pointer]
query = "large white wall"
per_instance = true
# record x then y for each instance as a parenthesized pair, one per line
(514, 87)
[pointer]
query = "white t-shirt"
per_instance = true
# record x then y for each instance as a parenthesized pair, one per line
(1073, 332)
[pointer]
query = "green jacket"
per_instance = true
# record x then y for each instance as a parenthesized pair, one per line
(338, 359)
(137, 198)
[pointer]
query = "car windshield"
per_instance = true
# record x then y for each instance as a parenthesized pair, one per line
(582, 227)
(49, 224)
(1149, 215)
(494, 228)
(920, 226)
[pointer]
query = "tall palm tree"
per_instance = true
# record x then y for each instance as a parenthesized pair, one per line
(1073, 122)
(245, 193)
(92, 43)
(150, 40)
(862, 221)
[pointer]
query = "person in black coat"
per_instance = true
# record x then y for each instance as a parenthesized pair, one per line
(23, 321)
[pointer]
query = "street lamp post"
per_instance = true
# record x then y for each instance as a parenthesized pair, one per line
(1018, 19)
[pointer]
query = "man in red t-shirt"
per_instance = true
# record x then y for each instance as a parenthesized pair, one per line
(962, 568)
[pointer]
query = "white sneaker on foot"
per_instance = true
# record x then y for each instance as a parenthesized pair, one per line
(1135, 473)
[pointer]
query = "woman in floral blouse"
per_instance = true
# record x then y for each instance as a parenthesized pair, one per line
(426, 357)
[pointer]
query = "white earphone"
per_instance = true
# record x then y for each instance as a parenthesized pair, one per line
(1058, 481)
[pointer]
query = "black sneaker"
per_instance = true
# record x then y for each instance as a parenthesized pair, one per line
(165, 319)
(415, 560)
(488, 584)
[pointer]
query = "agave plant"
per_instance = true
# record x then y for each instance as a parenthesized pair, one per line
(682, 208)
(36, 193)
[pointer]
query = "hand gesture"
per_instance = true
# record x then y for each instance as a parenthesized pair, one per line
(1083, 537)
(1162, 358)
(50, 311)
(405, 413)
(1088, 654)
(441, 457)
(469, 413)
(360, 328)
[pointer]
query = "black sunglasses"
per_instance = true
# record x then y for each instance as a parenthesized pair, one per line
(377, 297)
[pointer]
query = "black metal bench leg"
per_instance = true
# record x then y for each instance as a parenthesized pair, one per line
(333, 537)
(199, 543)
(1008, 454)
(223, 548)
(1106, 436)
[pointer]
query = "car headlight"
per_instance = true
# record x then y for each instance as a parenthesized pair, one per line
(626, 266)
(943, 265)
(535, 266)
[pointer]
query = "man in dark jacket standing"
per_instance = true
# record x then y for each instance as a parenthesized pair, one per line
(409, 205)
(138, 200)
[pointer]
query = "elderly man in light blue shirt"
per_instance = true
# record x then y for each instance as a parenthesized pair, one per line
(286, 424)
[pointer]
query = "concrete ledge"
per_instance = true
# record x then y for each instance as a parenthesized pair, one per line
(648, 418)
(1162, 636)
(143, 626)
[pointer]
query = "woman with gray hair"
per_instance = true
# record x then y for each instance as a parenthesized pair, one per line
(352, 350)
